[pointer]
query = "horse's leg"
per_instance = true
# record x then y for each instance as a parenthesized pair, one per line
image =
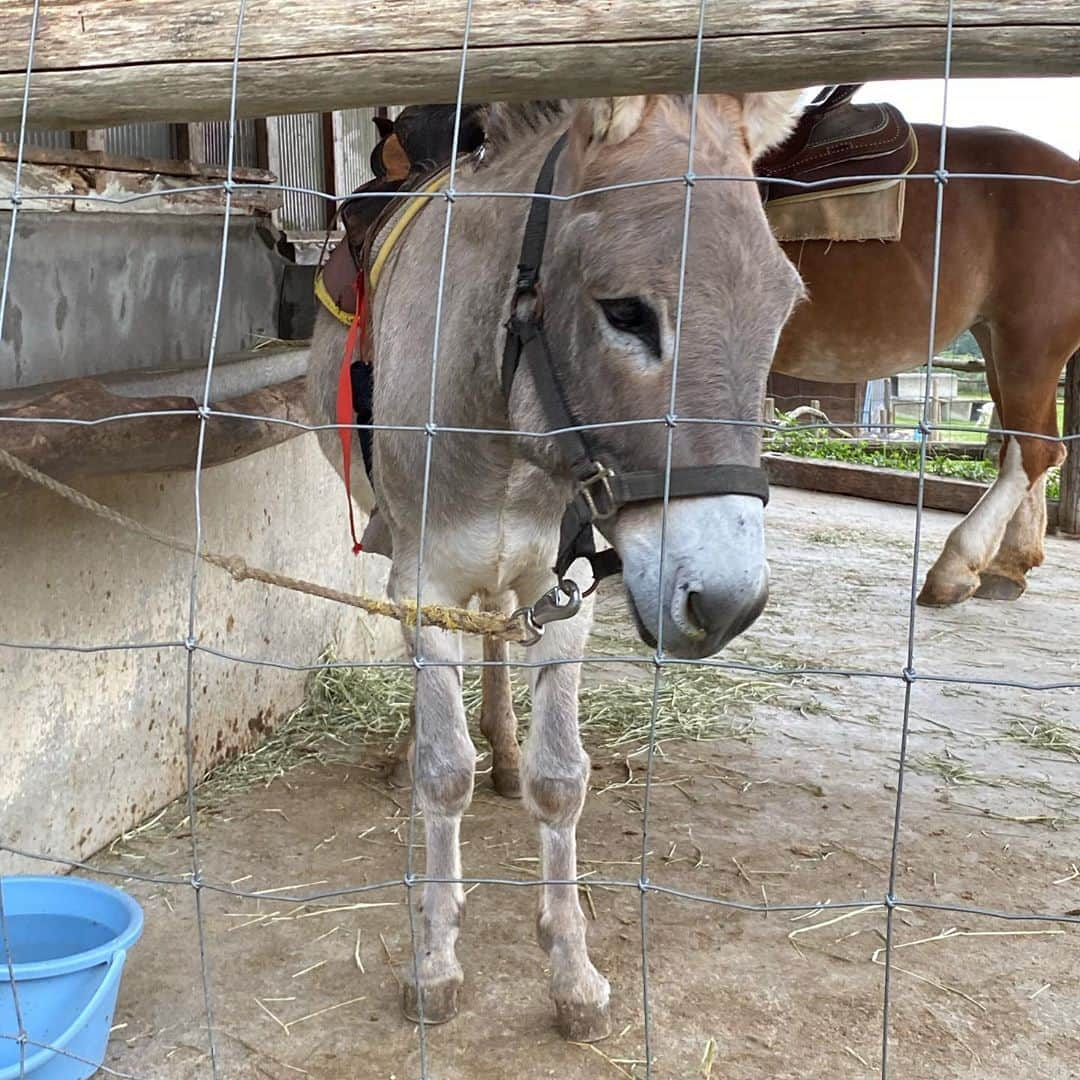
(1021, 549)
(443, 762)
(497, 719)
(555, 778)
(972, 544)
(1023, 381)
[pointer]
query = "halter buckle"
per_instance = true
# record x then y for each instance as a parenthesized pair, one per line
(528, 303)
(597, 493)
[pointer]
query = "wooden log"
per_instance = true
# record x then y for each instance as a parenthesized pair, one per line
(142, 444)
(883, 485)
(1069, 521)
(99, 159)
(102, 62)
(163, 194)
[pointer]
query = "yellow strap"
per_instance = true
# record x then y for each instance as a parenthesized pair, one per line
(322, 293)
(416, 204)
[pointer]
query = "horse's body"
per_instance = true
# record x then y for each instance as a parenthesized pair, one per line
(610, 277)
(1010, 271)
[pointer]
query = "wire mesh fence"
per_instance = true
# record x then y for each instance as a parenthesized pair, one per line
(188, 648)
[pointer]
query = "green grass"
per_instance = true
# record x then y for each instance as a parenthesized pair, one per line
(814, 443)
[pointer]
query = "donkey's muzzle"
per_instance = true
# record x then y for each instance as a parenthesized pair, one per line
(714, 582)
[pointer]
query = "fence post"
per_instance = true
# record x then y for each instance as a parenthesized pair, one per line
(1069, 512)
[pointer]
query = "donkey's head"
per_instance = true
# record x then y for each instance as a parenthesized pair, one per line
(618, 267)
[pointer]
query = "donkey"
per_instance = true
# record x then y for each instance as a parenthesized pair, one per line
(597, 345)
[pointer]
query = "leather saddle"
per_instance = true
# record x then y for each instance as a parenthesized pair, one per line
(413, 147)
(837, 145)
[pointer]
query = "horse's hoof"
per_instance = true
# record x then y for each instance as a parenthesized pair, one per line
(506, 782)
(999, 587)
(938, 594)
(583, 1022)
(441, 1000)
(400, 775)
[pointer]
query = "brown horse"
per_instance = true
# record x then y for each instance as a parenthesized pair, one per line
(1010, 272)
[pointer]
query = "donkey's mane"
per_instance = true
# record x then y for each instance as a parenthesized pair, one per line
(507, 123)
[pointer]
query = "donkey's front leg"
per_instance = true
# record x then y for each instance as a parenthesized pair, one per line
(443, 761)
(555, 777)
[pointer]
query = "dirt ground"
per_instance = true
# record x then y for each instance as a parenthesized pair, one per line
(795, 805)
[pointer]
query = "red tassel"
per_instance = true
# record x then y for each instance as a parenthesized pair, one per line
(345, 413)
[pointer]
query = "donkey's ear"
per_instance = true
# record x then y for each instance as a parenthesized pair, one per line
(769, 118)
(611, 120)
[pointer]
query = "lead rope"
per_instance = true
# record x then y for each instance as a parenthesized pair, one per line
(511, 628)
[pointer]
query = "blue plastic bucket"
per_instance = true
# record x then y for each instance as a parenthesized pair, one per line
(68, 940)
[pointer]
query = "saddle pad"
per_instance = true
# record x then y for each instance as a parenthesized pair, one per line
(873, 210)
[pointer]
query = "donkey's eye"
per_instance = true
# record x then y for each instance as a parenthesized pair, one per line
(631, 315)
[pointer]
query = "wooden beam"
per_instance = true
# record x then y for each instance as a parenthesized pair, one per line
(1069, 520)
(883, 485)
(102, 62)
(147, 444)
(99, 159)
(170, 194)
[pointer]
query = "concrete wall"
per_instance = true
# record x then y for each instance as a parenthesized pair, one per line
(91, 743)
(102, 291)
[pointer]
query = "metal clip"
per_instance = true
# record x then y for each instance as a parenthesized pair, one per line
(549, 609)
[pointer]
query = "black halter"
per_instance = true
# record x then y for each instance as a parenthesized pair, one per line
(602, 490)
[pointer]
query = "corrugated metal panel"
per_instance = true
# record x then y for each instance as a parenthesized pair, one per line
(142, 140)
(216, 145)
(295, 149)
(355, 136)
(55, 140)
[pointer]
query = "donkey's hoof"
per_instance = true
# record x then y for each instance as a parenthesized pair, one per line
(945, 594)
(506, 782)
(583, 1021)
(441, 1000)
(400, 775)
(999, 587)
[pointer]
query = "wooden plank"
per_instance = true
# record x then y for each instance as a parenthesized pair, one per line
(98, 159)
(45, 180)
(842, 402)
(869, 482)
(122, 185)
(91, 33)
(1070, 471)
(167, 192)
(100, 62)
(147, 444)
(883, 485)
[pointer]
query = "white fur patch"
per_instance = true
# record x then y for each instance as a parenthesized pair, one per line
(769, 118)
(976, 539)
(615, 119)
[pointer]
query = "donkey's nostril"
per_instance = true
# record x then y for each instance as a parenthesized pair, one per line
(717, 612)
(695, 611)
